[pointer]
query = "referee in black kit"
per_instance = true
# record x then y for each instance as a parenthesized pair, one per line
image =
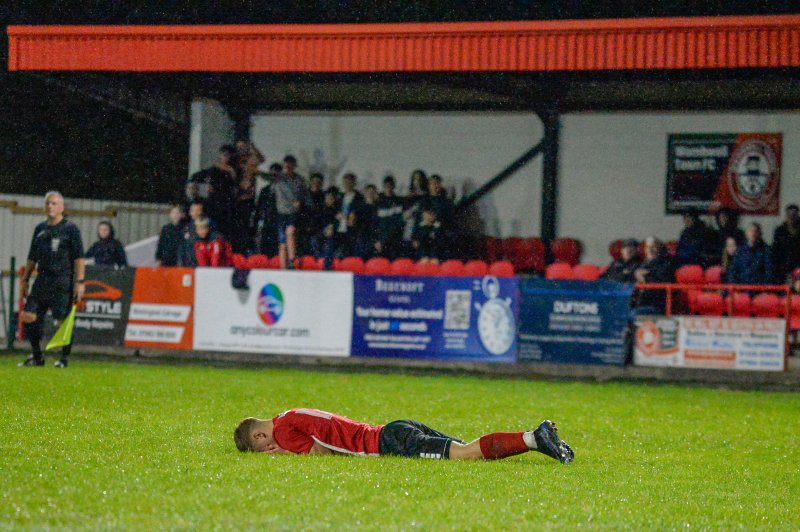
(57, 252)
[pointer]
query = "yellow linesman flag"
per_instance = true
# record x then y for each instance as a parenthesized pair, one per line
(63, 335)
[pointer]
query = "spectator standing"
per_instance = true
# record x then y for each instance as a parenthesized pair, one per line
(728, 227)
(241, 227)
(438, 202)
(417, 190)
(186, 254)
(170, 238)
(622, 270)
(697, 242)
(324, 242)
(389, 221)
(219, 182)
(752, 263)
(211, 249)
(311, 214)
(428, 241)
(656, 268)
(348, 223)
(290, 195)
(786, 244)
(731, 245)
(266, 215)
(368, 223)
(107, 251)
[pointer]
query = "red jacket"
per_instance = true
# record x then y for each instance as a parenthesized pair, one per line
(214, 252)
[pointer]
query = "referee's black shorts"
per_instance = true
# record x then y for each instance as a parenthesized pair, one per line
(414, 440)
(53, 294)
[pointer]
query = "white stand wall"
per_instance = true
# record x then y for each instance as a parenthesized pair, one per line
(211, 128)
(467, 149)
(614, 166)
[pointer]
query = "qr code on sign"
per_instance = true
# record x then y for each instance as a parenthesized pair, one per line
(457, 309)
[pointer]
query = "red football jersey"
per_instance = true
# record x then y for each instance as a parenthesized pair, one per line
(296, 430)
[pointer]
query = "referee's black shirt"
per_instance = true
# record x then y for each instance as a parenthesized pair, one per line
(55, 248)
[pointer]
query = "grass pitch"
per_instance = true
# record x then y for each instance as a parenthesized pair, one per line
(115, 445)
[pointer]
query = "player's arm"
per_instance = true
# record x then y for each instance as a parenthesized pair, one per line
(27, 271)
(318, 448)
(80, 273)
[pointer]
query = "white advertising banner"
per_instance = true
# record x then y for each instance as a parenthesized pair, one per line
(283, 312)
(756, 344)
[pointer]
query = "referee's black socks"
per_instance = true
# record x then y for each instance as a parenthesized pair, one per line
(33, 332)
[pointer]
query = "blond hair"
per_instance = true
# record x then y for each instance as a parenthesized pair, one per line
(241, 436)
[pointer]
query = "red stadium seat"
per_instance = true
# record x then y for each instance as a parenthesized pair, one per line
(615, 249)
(493, 249)
(767, 306)
(476, 268)
(240, 261)
(426, 268)
(586, 272)
(738, 304)
(710, 304)
(713, 275)
(559, 270)
(402, 267)
(258, 262)
(501, 268)
(689, 274)
(378, 266)
(452, 268)
(351, 264)
(566, 250)
(526, 254)
(274, 263)
(310, 263)
(692, 297)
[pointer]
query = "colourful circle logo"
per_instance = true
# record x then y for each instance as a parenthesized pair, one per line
(270, 304)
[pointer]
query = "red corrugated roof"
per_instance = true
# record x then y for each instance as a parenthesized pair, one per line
(573, 45)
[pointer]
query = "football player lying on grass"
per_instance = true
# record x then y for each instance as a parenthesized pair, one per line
(309, 431)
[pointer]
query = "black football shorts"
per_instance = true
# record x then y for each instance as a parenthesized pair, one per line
(414, 440)
(54, 295)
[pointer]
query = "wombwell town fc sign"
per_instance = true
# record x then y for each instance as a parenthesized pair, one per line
(709, 171)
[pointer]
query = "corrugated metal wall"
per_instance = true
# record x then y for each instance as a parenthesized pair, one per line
(132, 221)
(624, 44)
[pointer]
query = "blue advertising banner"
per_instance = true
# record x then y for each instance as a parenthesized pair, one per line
(443, 318)
(575, 322)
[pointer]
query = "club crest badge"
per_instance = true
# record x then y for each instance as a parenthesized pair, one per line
(753, 175)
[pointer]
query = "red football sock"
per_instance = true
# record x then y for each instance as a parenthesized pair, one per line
(502, 444)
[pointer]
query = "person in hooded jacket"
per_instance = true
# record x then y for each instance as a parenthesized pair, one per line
(107, 251)
(697, 243)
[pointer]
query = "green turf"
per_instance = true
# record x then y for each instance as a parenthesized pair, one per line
(115, 445)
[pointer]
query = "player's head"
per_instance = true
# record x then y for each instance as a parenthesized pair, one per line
(202, 227)
(105, 230)
(53, 204)
(254, 435)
